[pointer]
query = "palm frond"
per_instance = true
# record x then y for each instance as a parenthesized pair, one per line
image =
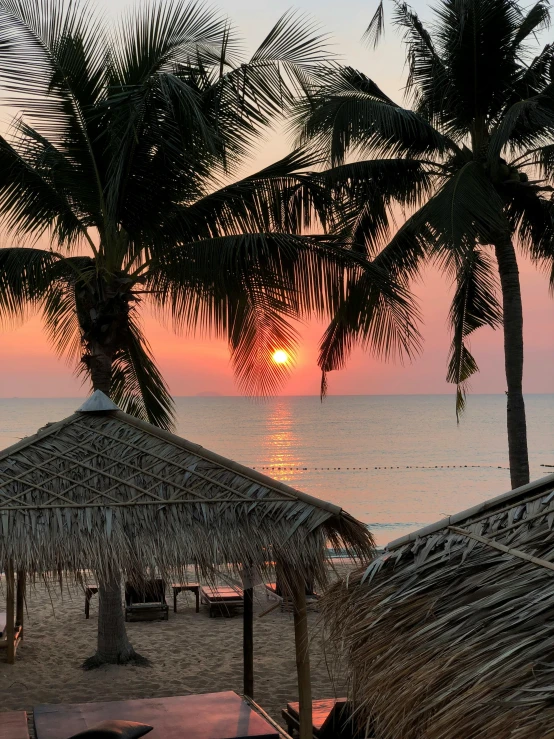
(366, 193)
(474, 305)
(26, 276)
(349, 114)
(376, 314)
(31, 204)
(137, 385)
(536, 19)
(160, 36)
(376, 29)
(279, 198)
(465, 211)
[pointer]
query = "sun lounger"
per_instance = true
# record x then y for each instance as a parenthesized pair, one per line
(274, 588)
(222, 597)
(13, 725)
(329, 718)
(146, 603)
(4, 636)
(210, 716)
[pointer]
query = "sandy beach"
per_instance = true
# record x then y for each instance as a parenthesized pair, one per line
(189, 653)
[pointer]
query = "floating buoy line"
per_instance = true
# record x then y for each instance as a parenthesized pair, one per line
(284, 468)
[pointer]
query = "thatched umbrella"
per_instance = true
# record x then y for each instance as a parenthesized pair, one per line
(450, 633)
(102, 490)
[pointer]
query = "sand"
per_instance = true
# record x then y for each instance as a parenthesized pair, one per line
(189, 653)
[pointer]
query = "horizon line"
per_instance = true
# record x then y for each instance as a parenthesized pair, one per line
(206, 396)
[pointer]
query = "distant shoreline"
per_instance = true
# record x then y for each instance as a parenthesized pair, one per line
(212, 396)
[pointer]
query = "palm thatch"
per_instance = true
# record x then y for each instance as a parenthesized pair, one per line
(103, 489)
(450, 632)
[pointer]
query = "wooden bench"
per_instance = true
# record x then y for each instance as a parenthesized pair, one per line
(13, 725)
(329, 718)
(222, 597)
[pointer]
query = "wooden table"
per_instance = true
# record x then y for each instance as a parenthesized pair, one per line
(89, 592)
(178, 587)
(13, 725)
(209, 716)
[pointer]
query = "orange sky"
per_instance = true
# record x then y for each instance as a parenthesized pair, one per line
(29, 368)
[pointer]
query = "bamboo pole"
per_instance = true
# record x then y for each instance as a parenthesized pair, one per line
(248, 642)
(20, 600)
(298, 588)
(503, 548)
(10, 614)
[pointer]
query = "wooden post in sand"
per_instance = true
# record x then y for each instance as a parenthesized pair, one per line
(10, 613)
(298, 588)
(20, 601)
(248, 642)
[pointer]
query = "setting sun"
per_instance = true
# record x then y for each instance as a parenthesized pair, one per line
(280, 357)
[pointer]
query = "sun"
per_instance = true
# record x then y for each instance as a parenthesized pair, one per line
(280, 357)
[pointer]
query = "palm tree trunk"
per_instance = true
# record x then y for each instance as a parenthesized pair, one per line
(513, 360)
(99, 362)
(113, 645)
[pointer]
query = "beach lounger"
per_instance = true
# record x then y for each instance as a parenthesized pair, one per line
(13, 725)
(210, 716)
(147, 602)
(274, 588)
(3, 635)
(330, 718)
(222, 597)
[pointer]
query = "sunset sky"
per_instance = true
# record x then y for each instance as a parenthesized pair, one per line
(28, 366)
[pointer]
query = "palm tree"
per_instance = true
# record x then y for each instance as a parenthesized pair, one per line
(472, 162)
(121, 152)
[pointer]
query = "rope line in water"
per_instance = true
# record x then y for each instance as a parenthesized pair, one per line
(284, 468)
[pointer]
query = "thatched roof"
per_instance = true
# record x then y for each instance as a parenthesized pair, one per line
(450, 632)
(102, 488)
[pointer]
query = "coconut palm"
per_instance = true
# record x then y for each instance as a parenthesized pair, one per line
(121, 153)
(472, 163)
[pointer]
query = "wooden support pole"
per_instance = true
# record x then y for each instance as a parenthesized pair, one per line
(20, 600)
(10, 613)
(248, 642)
(298, 587)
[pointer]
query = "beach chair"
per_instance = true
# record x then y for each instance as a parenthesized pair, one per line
(330, 718)
(275, 588)
(221, 597)
(17, 635)
(146, 602)
(13, 725)
(209, 716)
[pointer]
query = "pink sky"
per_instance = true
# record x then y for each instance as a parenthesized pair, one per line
(29, 368)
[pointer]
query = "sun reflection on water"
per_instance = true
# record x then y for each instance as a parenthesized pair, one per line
(280, 443)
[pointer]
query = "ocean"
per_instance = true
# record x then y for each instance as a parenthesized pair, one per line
(396, 462)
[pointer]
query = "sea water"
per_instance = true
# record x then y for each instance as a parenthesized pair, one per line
(396, 462)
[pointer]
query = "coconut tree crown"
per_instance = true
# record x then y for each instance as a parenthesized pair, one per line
(122, 153)
(471, 158)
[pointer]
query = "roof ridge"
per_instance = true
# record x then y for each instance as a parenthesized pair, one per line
(488, 505)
